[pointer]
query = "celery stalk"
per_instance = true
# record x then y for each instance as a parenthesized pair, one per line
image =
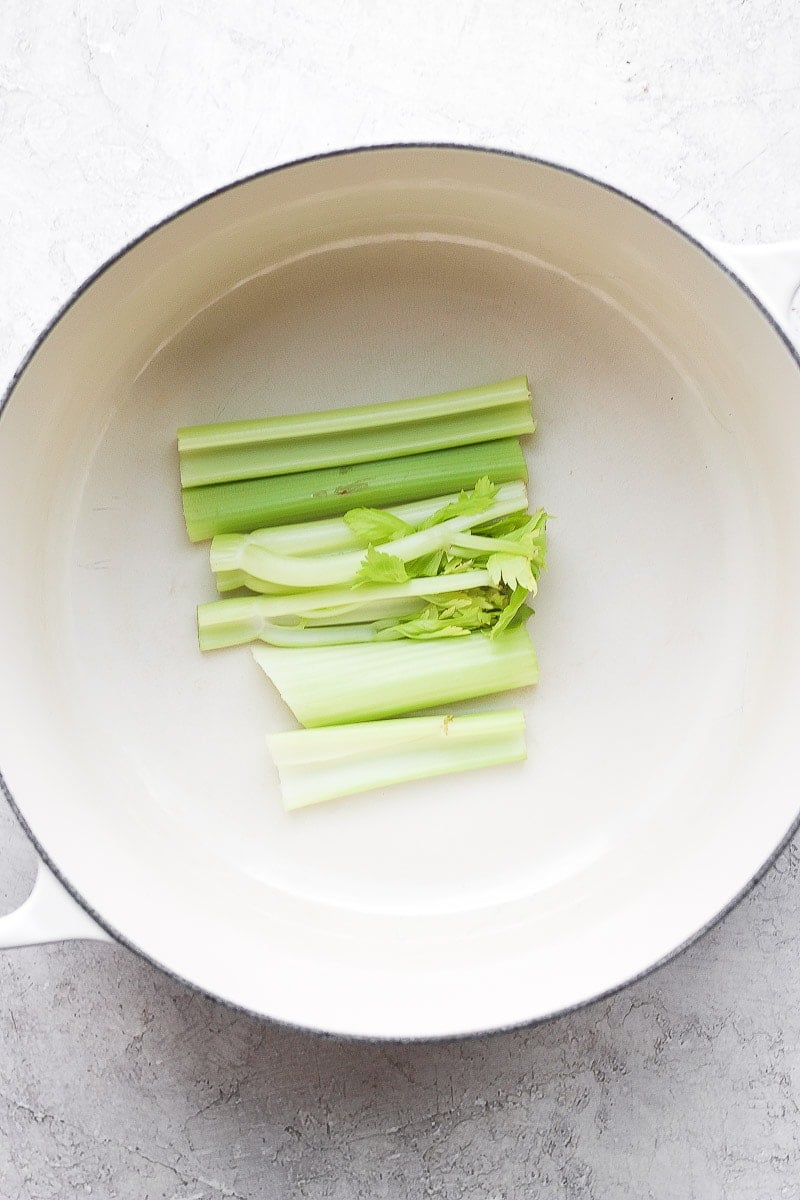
(231, 581)
(237, 552)
(292, 636)
(330, 685)
(323, 537)
(331, 492)
(284, 445)
(234, 621)
(334, 534)
(322, 764)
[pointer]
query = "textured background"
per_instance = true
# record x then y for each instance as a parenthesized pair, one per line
(114, 1082)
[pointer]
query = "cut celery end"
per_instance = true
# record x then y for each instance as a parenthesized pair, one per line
(237, 620)
(311, 495)
(331, 685)
(315, 765)
(253, 449)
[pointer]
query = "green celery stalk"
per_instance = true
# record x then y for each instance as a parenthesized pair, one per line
(240, 619)
(321, 764)
(331, 492)
(284, 445)
(237, 552)
(330, 685)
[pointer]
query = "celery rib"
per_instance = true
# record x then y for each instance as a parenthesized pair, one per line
(334, 534)
(330, 685)
(210, 454)
(315, 765)
(332, 491)
(293, 636)
(230, 552)
(235, 621)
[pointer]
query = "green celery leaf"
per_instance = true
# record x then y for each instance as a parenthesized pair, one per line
(512, 610)
(421, 630)
(374, 526)
(530, 535)
(453, 616)
(503, 526)
(377, 567)
(429, 565)
(521, 616)
(467, 504)
(454, 566)
(485, 599)
(521, 524)
(512, 569)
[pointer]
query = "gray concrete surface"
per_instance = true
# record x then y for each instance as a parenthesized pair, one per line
(114, 1082)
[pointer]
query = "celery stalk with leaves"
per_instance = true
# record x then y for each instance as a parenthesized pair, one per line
(448, 582)
(394, 550)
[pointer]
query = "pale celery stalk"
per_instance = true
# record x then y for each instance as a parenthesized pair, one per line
(334, 534)
(240, 619)
(359, 610)
(322, 764)
(237, 552)
(282, 499)
(473, 544)
(285, 445)
(330, 685)
(231, 581)
(293, 636)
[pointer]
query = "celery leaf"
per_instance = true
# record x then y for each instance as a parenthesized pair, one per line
(467, 504)
(512, 569)
(377, 567)
(374, 526)
(514, 612)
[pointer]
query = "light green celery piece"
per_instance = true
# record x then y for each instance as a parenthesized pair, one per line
(330, 685)
(231, 581)
(335, 533)
(322, 764)
(239, 619)
(311, 495)
(284, 445)
(319, 537)
(236, 552)
(377, 611)
(490, 545)
(293, 636)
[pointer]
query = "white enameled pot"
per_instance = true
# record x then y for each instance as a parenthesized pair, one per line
(664, 756)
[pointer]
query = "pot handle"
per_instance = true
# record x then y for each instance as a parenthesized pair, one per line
(50, 914)
(772, 272)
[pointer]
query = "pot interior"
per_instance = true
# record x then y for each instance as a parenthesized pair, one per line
(662, 736)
